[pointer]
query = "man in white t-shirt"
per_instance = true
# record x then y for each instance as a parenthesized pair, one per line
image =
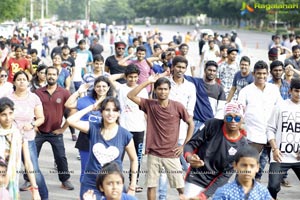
(283, 136)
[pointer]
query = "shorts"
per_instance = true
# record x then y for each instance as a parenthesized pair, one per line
(172, 168)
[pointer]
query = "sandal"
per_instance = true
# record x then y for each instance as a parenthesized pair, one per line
(138, 189)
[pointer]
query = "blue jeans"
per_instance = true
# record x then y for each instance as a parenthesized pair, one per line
(197, 125)
(58, 149)
(277, 171)
(84, 156)
(263, 160)
(40, 180)
(162, 186)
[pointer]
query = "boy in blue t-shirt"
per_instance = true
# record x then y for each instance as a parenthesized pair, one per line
(244, 186)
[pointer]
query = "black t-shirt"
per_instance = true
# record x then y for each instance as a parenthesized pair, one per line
(55, 51)
(218, 153)
(96, 49)
(35, 64)
(68, 63)
(114, 68)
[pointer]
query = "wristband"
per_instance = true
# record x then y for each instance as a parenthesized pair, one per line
(34, 188)
(32, 124)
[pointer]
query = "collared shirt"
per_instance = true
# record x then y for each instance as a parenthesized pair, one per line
(235, 191)
(259, 105)
(53, 106)
(284, 89)
(185, 93)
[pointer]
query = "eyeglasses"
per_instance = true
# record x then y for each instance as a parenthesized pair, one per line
(3, 75)
(230, 118)
(121, 48)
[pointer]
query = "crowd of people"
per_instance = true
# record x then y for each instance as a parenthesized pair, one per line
(206, 120)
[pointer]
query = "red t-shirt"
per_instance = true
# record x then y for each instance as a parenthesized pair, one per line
(14, 65)
(163, 126)
(53, 106)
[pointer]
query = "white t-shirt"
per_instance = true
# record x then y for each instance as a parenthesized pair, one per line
(6, 89)
(284, 127)
(131, 118)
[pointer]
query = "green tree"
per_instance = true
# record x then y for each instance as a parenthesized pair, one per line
(117, 10)
(12, 9)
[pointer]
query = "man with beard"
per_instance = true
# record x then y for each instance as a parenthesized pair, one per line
(276, 70)
(210, 96)
(111, 63)
(53, 98)
(241, 79)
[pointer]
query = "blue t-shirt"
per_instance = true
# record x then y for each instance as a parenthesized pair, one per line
(63, 75)
(125, 197)
(103, 151)
(93, 116)
(158, 68)
(202, 110)
(240, 81)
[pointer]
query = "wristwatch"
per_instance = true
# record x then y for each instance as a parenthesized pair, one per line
(33, 124)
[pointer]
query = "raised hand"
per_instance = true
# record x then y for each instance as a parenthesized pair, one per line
(153, 78)
(83, 88)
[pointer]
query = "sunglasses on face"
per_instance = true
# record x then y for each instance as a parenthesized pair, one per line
(230, 118)
(121, 48)
(3, 75)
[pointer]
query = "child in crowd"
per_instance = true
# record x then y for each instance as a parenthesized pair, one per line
(244, 186)
(110, 181)
(4, 194)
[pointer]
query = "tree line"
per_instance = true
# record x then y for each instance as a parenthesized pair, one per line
(124, 11)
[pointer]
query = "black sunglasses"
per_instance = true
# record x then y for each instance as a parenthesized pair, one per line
(229, 118)
(3, 75)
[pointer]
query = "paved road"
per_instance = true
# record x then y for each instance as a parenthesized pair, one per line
(46, 156)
